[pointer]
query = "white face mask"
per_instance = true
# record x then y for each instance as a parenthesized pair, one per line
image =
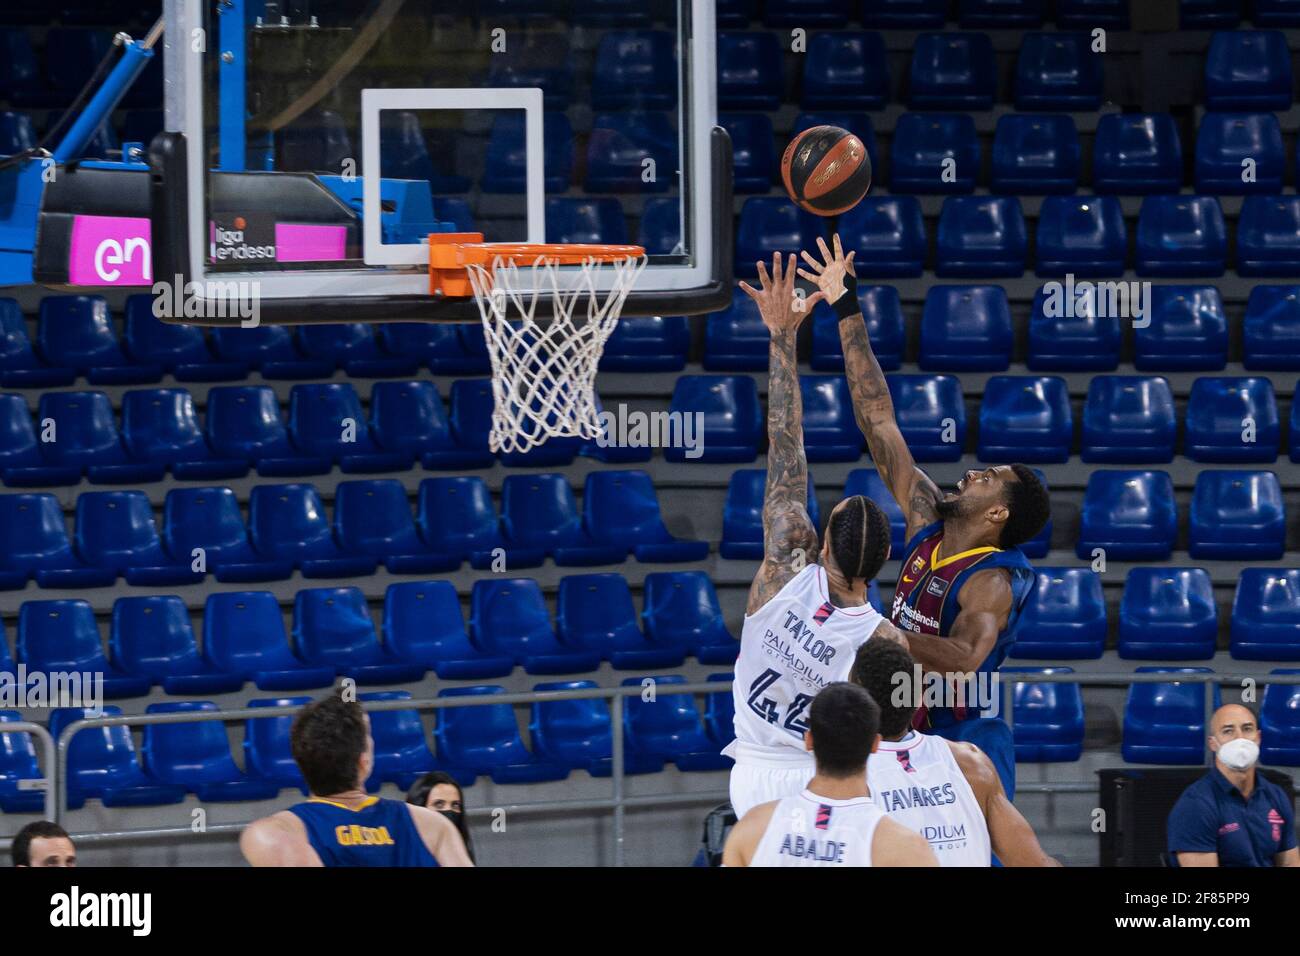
(1239, 754)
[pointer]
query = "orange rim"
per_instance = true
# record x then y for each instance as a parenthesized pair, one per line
(452, 253)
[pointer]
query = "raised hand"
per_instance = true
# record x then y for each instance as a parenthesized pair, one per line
(780, 305)
(829, 274)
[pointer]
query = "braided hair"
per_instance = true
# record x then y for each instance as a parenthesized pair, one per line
(859, 538)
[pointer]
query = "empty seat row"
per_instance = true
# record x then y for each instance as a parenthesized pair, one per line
(1166, 613)
(203, 531)
(152, 641)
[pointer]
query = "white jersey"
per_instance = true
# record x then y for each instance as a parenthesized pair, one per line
(919, 784)
(790, 648)
(808, 830)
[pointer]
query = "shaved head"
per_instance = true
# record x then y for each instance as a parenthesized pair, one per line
(1234, 720)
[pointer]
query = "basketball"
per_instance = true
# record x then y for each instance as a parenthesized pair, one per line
(826, 170)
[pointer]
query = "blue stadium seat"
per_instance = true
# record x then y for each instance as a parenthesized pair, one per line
(1232, 420)
(438, 346)
(470, 417)
(268, 755)
(682, 610)
(103, 765)
(21, 81)
(867, 481)
(327, 422)
(1236, 515)
(1065, 617)
(617, 448)
(1001, 14)
(19, 449)
(888, 234)
(83, 438)
(660, 229)
(931, 413)
(1137, 153)
(402, 753)
(484, 739)
(332, 628)
(423, 624)
(769, 225)
(543, 60)
(742, 514)
(845, 71)
(1068, 332)
(905, 14)
(34, 544)
(20, 365)
(62, 637)
(1129, 419)
(209, 519)
(1224, 145)
(882, 312)
(585, 221)
(18, 764)
(981, 236)
(1248, 70)
(1035, 154)
(1058, 71)
(1271, 328)
(508, 618)
(505, 168)
(1165, 722)
(669, 726)
(1268, 236)
(1025, 418)
(181, 350)
(243, 422)
(750, 74)
(405, 153)
(1279, 721)
(353, 347)
(621, 509)
(720, 712)
(753, 151)
(733, 417)
(1131, 514)
(631, 152)
(1207, 14)
(539, 514)
(1275, 13)
(77, 332)
(161, 425)
(1087, 14)
(830, 432)
(408, 419)
(197, 756)
(1181, 236)
(373, 518)
(1048, 723)
(243, 633)
(934, 153)
(456, 517)
(966, 328)
(736, 13)
(1266, 615)
(577, 734)
(318, 141)
(116, 532)
(793, 13)
(735, 339)
(952, 71)
(1186, 329)
(270, 349)
(1081, 236)
(1167, 614)
(288, 523)
(647, 344)
(151, 637)
(635, 69)
(595, 612)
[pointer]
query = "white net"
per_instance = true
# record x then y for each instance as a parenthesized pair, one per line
(543, 376)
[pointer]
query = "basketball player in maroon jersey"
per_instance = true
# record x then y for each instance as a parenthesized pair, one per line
(963, 579)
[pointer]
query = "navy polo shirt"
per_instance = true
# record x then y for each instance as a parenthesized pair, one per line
(1213, 817)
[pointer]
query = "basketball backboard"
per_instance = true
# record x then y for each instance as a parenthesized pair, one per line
(312, 145)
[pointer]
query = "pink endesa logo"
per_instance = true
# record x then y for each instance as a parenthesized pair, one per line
(110, 250)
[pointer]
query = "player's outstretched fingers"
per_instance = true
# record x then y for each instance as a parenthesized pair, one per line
(826, 252)
(749, 290)
(812, 263)
(848, 263)
(809, 276)
(839, 250)
(763, 280)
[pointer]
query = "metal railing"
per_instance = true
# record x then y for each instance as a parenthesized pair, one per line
(618, 802)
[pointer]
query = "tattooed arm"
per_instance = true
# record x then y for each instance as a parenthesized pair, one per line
(873, 408)
(789, 539)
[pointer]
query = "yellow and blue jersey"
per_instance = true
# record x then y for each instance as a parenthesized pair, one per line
(377, 833)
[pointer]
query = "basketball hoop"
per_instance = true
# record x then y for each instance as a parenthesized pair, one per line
(543, 375)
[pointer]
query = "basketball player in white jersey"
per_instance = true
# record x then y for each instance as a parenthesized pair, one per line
(808, 612)
(833, 821)
(947, 791)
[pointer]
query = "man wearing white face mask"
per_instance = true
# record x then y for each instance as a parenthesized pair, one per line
(1233, 816)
